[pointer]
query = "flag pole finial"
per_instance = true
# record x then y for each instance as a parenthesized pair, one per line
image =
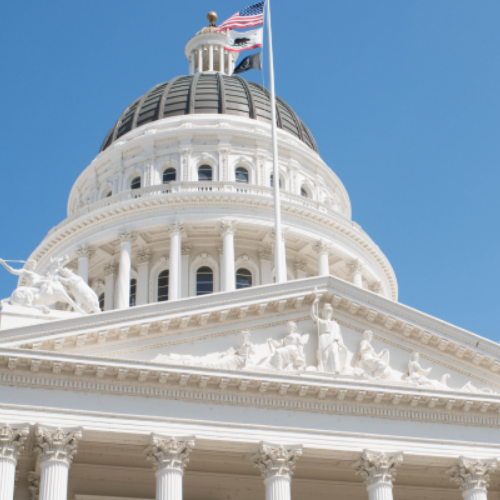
(212, 18)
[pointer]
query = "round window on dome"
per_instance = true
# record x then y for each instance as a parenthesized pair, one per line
(205, 173)
(169, 175)
(136, 183)
(241, 175)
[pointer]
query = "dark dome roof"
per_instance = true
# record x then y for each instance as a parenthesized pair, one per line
(207, 93)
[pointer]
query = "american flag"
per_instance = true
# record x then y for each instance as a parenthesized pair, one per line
(246, 18)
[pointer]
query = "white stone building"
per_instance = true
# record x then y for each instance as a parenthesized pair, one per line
(199, 357)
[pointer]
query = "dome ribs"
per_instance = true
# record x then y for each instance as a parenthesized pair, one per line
(222, 94)
(251, 104)
(164, 97)
(208, 94)
(192, 93)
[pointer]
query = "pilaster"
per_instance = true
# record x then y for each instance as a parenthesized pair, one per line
(266, 265)
(143, 276)
(186, 252)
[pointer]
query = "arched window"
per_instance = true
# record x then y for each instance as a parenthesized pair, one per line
(110, 193)
(163, 286)
(204, 281)
(133, 292)
(241, 175)
(271, 181)
(243, 278)
(303, 192)
(169, 175)
(101, 302)
(205, 173)
(136, 183)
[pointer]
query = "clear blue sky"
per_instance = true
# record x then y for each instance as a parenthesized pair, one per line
(402, 98)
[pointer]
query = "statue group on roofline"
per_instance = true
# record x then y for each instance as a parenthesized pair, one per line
(58, 284)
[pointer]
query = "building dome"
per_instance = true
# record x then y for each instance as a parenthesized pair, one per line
(208, 94)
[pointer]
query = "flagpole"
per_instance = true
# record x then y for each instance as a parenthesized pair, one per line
(279, 264)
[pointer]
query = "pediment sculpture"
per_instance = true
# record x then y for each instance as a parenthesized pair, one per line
(58, 284)
(334, 358)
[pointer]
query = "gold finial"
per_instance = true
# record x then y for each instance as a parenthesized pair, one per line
(212, 17)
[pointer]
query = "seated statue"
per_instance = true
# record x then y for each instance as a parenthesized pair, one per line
(287, 353)
(374, 365)
(418, 375)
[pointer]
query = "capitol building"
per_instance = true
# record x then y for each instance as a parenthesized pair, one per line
(149, 352)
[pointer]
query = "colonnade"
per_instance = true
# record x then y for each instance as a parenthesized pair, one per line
(169, 455)
(197, 58)
(178, 266)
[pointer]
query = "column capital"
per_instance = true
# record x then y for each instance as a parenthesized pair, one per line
(321, 246)
(169, 453)
(12, 440)
(378, 468)
(265, 254)
(176, 227)
(276, 460)
(57, 445)
(127, 236)
(355, 266)
(85, 251)
(472, 474)
(376, 287)
(228, 226)
(143, 255)
(110, 269)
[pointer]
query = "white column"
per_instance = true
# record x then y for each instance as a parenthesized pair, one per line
(84, 253)
(109, 287)
(56, 449)
(200, 59)
(123, 299)
(357, 277)
(174, 278)
(186, 251)
(276, 463)
(266, 266)
(210, 57)
(229, 278)
(222, 57)
(143, 277)
(231, 63)
(323, 265)
(378, 471)
(472, 475)
(11, 445)
(191, 64)
(169, 456)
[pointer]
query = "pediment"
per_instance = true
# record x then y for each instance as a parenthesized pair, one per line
(207, 335)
